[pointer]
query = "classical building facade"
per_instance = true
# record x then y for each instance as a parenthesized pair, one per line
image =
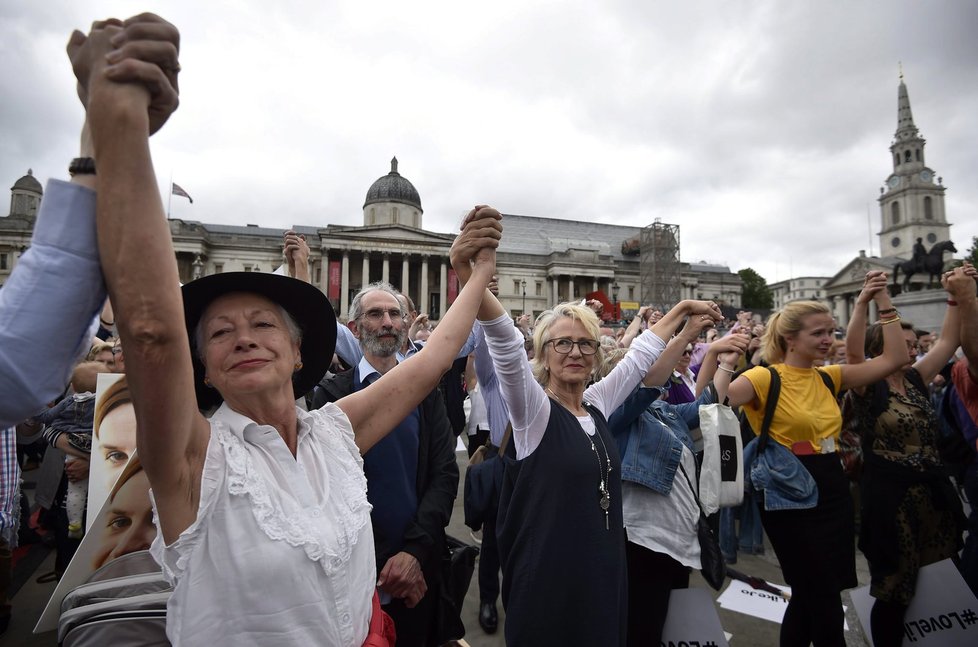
(541, 261)
(803, 287)
(16, 228)
(911, 208)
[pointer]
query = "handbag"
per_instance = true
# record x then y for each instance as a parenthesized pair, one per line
(722, 471)
(483, 482)
(712, 567)
(457, 566)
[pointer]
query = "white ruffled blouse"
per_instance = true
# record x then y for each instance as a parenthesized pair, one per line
(282, 550)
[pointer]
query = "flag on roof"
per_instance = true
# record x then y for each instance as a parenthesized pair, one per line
(176, 189)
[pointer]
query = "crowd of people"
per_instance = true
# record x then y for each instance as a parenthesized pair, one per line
(293, 475)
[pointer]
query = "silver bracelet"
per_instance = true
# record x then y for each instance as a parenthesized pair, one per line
(728, 370)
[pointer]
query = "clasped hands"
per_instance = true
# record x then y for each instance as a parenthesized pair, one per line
(142, 51)
(474, 249)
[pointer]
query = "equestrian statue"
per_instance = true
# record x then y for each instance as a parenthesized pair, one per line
(931, 262)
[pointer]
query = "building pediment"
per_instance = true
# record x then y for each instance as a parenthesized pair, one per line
(852, 274)
(390, 233)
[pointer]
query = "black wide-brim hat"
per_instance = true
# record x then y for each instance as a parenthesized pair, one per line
(307, 304)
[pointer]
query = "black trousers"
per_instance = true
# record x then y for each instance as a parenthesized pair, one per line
(415, 626)
(489, 563)
(651, 578)
(817, 552)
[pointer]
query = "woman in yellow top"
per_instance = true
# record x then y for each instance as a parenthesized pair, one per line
(815, 546)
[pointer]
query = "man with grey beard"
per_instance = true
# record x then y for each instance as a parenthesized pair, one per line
(412, 476)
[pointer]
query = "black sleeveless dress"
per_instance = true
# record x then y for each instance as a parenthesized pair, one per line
(564, 573)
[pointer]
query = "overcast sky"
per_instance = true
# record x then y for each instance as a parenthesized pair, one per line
(762, 128)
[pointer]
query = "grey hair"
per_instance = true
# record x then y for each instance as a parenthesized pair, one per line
(356, 306)
(295, 331)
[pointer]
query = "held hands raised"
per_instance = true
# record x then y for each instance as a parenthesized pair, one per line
(874, 282)
(703, 308)
(142, 51)
(960, 282)
(296, 252)
(695, 326)
(474, 249)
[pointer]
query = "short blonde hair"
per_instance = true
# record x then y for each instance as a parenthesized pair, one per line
(97, 348)
(541, 335)
(786, 322)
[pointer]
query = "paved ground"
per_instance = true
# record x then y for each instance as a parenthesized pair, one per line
(29, 601)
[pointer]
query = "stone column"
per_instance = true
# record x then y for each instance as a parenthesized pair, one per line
(386, 274)
(365, 273)
(594, 287)
(405, 276)
(345, 284)
(423, 303)
(554, 291)
(443, 286)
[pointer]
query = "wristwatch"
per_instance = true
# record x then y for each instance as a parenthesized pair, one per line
(82, 166)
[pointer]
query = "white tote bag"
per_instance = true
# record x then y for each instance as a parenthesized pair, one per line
(722, 472)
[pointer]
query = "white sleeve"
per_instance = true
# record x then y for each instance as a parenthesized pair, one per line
(48, 304)
(608, 394)
(529, 406)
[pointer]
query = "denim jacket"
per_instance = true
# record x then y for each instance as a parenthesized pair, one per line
(651, 433)
(777, 472)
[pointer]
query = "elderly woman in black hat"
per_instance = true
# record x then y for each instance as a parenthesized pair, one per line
(264, 525)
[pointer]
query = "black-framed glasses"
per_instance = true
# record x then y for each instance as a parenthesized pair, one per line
(377, 314)
(564, 346)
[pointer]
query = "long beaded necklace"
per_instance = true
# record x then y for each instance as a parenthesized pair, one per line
(604, 474)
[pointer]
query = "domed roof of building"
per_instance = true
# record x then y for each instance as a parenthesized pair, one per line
(393, 187)
(28, 183)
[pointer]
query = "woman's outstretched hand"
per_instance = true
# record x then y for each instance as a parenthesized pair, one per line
(474, 249)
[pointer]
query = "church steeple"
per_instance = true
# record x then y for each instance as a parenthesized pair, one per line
(905, 126)
(908, 146)
(911, 201)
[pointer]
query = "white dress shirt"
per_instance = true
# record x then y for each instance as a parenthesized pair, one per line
(282, 550)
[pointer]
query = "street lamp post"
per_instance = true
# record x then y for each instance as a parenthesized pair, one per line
(523, 284)
(614, 295)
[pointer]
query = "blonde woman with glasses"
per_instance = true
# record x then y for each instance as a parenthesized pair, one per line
(559, 525)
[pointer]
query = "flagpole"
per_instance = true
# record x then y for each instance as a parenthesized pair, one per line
(169, 196)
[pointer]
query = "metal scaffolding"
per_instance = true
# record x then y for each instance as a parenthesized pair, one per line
(659, 265)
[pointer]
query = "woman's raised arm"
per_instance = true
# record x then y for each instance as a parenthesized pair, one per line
(376, 410)
(894, 351)
(140, 271)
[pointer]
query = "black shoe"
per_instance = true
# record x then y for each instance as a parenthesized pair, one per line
(488, 618)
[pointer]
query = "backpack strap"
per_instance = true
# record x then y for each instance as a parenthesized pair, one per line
(827, 379)
(773, 393)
